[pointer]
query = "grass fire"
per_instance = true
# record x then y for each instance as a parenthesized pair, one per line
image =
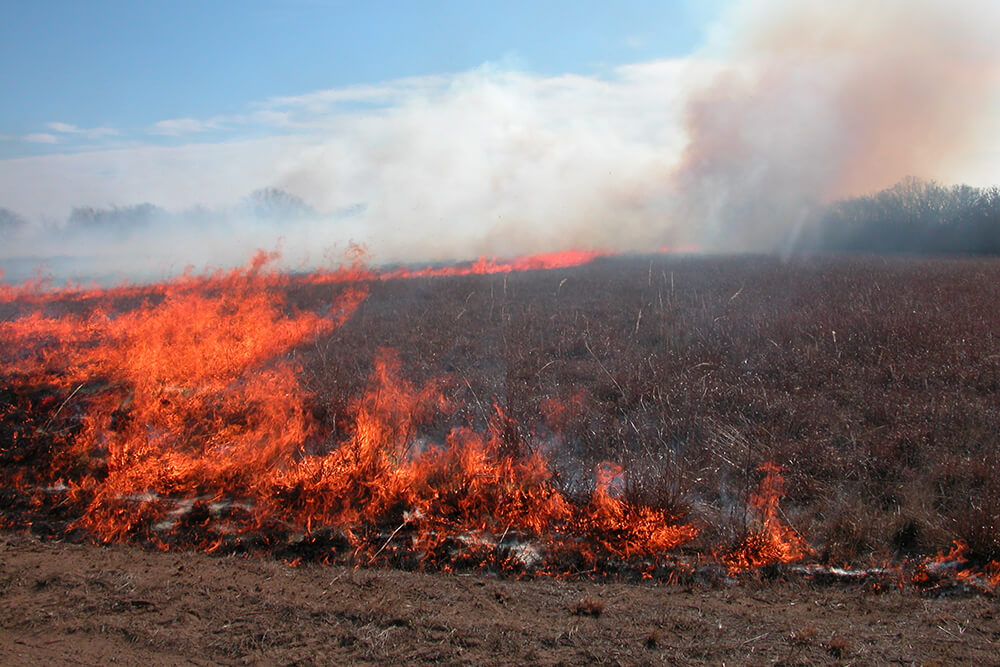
(466, 333)
(563, 415)
(565, 439)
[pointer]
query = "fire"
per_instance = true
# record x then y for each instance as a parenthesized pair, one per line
(176, 415)
(177, 397)
(183, 422)
(486, 265)
(770, 540)
(625, 529)
(955, 566)
(43, 290)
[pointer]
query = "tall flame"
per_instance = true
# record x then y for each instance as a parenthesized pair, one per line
(770, 540)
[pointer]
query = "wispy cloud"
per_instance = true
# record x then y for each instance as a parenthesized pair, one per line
(175, 127)
(88, 132)
(325, 101)
(312, 111)
(41, 138)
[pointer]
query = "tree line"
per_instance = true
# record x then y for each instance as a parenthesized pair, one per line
(912, 217)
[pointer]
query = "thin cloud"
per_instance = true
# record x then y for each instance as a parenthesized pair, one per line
(41, 138)
(270, 118)
(88, 132)
(308, 112)
(63, 127)
(174, 127)
(324, 101)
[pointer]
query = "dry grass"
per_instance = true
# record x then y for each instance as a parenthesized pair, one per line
(873, 383)
(588, 607)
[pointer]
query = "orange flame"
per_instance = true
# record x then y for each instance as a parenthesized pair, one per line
(43, 290)
(190, 425)
(771, 541)
(625, 529)
(955, 566)
(486, 265)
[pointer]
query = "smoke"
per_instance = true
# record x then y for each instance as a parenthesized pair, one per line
(487, 162)
(791, 103)
(822, 100)
(147, 243)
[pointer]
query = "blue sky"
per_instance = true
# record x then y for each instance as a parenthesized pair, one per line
(84, 73)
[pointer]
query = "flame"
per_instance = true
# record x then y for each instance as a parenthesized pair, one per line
(770, 541)
(955, 565)
(627, 530)
(185, 423)
(175, 415)
(259, 270)
(487, 266)
(187, 395)
(43, 290)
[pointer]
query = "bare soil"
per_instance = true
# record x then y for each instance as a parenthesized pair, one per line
(63, 603)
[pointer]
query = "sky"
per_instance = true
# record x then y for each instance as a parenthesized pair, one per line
(88, 74)
(431, 131)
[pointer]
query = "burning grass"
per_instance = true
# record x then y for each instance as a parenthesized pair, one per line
(194, 427)
(639, 418)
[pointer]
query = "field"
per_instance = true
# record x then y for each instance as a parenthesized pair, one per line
(872, 383)
(611, 447)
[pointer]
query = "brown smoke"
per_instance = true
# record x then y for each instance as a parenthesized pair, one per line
(821, 100)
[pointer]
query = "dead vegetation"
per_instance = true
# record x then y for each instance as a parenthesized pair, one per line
(871, 383)
(587, 607)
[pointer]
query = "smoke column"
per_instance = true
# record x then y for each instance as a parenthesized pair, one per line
(822, 100)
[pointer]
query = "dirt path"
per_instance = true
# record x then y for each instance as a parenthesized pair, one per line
(66, 603)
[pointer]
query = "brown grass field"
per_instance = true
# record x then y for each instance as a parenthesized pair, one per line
(870, 383)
